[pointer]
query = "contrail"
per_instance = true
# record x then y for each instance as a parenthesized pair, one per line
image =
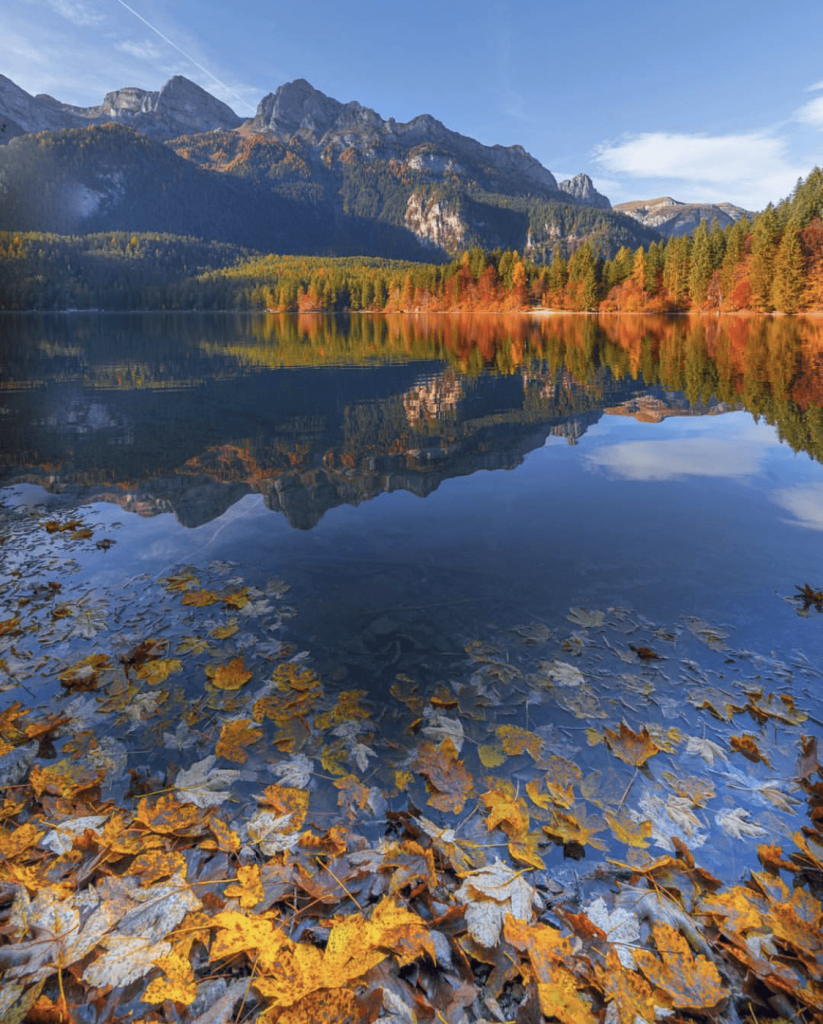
(186, 55)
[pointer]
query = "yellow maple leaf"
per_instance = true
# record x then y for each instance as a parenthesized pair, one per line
(630, 992)
(83, 674)
(225, 631)
(12, 844)
(326, 1006)
(626, 830)
(690, 980)
(230, 676)
(287, 800)
(159, 670)
(491, 755)
(156, 864)
(516, 740)
(179, 985)
(234, 737)
(237, 599)
(200, 598)
(226, 840)
(248, 886)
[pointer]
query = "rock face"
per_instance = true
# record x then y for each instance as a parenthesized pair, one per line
(423, 144)
(581, 188)
(671, 217)
(435, 224)
(22, 113)
(179, 107)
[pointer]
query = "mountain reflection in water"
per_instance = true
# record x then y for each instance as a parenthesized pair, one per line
(188, 414)
(636, 562)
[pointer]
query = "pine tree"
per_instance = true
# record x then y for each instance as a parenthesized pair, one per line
(789, 281)
(676, 266)
(700, 271)
(761, 266)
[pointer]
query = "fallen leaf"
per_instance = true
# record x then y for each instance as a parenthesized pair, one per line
(203, 784)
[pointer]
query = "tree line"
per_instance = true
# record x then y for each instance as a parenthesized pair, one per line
(773, 263)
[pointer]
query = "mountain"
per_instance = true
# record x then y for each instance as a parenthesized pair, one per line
(671, 217)
(21, 112)
(180, 106)
(306, 174)
(582, 190)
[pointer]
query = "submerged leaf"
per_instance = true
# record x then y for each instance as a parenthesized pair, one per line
(203, 784)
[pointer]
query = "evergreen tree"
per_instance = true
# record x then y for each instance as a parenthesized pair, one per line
(676, 266)
(761, 266)
(700, 270)
(789, 282)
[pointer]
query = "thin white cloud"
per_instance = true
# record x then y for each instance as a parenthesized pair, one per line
(811, 112)
(76, 11)
(804, 503)
(718, 158)
(678, 459)
(743, 168)
(144, 50)
(815, 87)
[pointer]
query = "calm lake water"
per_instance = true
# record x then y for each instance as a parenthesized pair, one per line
(440, 495)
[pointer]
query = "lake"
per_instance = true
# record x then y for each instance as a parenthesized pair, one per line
(511, 533)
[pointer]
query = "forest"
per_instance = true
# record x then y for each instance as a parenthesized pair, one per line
(773, 263)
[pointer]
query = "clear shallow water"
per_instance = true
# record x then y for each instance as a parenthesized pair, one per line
(415, 486)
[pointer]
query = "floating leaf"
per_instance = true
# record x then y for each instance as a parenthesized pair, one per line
(515, 740)
(159, 670)
(735, 822)
(562, 673)
(200, 598)
(586, 617)
(230, 676)
(632, 747)
(235, 736)
(707, 749)
(449, 782)
(203, 784)
(746, 744)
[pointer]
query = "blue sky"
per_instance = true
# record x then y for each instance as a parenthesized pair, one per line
(705, 101)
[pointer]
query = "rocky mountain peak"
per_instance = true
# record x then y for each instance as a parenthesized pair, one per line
(581, 187)
(297, 107)
(672, 217)
(182, 102)
(127, 101)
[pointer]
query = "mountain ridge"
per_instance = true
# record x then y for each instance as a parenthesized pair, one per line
(671, 217)
(324, 176)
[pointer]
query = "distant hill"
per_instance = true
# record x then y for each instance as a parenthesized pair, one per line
(671, 217)
(307, 174)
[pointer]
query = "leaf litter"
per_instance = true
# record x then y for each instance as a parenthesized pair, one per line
(197, 827)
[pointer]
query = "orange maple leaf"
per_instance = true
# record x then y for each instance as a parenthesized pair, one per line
(690, 980)
(634, 748)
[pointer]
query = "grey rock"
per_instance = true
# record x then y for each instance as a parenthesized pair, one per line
(671, 217)
(581, 188)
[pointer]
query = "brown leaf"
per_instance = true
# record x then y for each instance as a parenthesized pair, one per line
(632, 747)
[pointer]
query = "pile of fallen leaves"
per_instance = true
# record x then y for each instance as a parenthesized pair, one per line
(197, 828)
